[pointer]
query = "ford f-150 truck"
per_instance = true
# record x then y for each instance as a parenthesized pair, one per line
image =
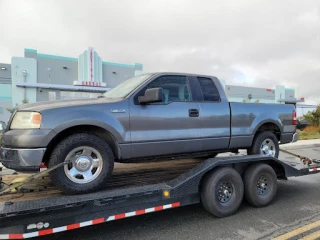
(147, 117)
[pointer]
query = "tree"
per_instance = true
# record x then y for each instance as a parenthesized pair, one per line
(24, 101)
(313, 117)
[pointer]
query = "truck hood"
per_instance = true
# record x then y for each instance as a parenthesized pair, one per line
(40, 106)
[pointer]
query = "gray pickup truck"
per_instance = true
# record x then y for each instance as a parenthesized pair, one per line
(147, 117)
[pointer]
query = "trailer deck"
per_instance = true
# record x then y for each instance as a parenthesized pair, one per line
(133, 190)
(137, 174)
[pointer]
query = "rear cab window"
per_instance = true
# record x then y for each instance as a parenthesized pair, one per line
(209, 90)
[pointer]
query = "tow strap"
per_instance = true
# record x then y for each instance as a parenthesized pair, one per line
(15, 186)
(304, 160)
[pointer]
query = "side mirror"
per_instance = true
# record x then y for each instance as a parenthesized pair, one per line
(151, 95)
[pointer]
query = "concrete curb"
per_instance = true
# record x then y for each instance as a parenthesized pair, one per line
(299, 146)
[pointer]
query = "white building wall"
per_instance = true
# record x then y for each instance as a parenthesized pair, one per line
(23, 70)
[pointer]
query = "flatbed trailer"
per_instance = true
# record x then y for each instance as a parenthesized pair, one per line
(220, 184)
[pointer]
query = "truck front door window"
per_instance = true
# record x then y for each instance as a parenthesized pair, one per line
(175, 89)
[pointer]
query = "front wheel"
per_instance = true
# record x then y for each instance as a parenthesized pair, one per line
(266, 144)
(91, 163)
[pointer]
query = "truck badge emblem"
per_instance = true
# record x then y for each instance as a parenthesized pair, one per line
(119, 110)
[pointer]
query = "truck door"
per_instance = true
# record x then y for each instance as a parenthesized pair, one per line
(214, 114)
(170, 127)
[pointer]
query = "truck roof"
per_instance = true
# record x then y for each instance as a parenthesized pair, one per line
(183, 73)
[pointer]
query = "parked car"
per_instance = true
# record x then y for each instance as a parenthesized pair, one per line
(302, 124)
(147, 117)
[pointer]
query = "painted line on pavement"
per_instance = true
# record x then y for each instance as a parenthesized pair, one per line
(298, 231)
(312, 236)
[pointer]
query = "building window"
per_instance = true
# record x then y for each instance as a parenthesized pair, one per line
(52, 96)
(65, 95)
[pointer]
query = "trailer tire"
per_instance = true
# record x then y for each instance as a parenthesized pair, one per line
(222, 192)
(265, 143)
(260, 184)
(93, 163)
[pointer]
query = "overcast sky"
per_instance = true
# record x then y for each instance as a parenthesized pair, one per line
(256, 43)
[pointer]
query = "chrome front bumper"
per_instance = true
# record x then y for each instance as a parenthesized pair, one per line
(22, 160)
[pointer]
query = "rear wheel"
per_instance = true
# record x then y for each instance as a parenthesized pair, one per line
(91, 163)
(222, 192)
(266, 144)
(260, 184)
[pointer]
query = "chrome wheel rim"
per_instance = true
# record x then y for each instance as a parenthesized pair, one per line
(224, 192)
(262, 185)
(268, 148)
(85, 165)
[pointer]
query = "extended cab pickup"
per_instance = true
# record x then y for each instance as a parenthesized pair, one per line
(147, 117)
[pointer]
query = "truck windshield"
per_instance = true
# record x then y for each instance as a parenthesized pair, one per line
(125, 88)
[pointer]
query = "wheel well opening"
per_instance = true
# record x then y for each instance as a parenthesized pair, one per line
(269, 127)
(101, 132)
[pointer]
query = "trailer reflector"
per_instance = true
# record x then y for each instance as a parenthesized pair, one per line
(15, 236)
(314, 169)
(45, 232)
(87, 223)
(139, 212)
(166, 193)
(119, 216)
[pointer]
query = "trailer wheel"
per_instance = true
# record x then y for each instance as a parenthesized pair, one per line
(91, 164)
(265, 143)
(222, 192)
(260, 184)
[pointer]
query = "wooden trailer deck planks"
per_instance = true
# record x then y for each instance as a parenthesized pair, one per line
(124, 175)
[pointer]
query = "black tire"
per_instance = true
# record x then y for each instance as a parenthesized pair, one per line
(258, 141)
(212, 200)
(255, 193)
(60, 152)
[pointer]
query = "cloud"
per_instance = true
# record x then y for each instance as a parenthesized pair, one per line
(255, 43)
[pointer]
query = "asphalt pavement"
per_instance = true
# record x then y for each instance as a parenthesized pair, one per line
(297, 204)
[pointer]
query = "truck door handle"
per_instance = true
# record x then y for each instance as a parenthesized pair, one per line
(193, 112)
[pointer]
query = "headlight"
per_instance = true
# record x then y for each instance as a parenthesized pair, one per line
(26, 120)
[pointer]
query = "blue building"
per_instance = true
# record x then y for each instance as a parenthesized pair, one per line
(40, 77)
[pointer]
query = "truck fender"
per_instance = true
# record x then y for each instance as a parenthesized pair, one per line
(94, 122)
(257, 123)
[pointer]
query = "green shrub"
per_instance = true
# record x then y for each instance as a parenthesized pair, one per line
(313, 117)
